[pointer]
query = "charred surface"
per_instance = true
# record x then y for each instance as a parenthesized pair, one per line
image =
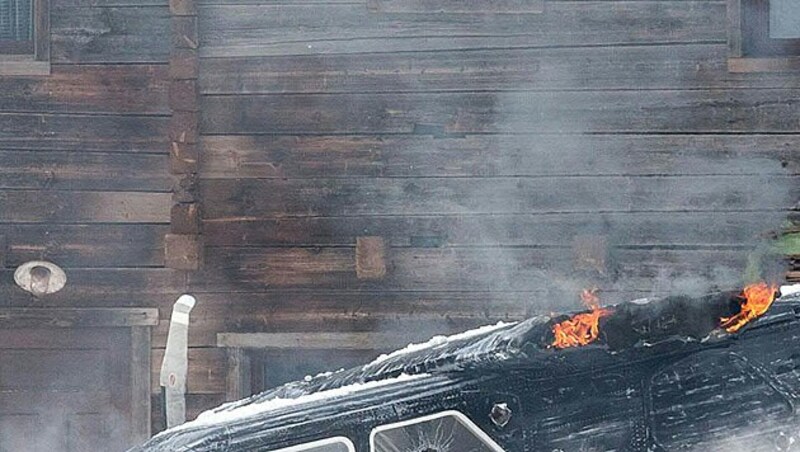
(651, 383)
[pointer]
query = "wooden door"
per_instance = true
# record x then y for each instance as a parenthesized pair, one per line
(66, 389)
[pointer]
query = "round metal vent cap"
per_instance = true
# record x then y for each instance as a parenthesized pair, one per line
(40, 277)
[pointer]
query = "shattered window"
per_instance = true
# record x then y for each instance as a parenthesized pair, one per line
(339, 444)
(444, 432)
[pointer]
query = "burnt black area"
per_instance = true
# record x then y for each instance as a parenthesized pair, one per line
(676, 316)
(634, 390)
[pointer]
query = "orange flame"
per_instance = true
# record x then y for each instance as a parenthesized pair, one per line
(758, 298)
(581, 329)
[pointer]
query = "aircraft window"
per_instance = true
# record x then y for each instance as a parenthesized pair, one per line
(338, 444)
(448, 431)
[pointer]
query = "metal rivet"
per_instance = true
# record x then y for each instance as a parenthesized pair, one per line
(500, 414)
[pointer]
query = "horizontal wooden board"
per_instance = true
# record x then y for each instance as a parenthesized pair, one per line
(206, 373)
(257, 156)
(678, 66)
(89, 88)
(422, 313)
(298, 29)
(77, 318)
(457, 6)
(269, 198)
(114, 133)
(714, 111)
(680, 229)
(101, 287)
(37, 206)
(462, 269)
(57, 170)
(109, 34)
(98, 245)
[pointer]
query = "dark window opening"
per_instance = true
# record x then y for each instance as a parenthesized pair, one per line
(17, 27)
(770, 28)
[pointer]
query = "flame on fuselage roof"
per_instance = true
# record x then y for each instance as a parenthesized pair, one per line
(581, 329)
(756, 300)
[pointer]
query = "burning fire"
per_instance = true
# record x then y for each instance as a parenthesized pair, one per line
(758, 298)
(581, 329)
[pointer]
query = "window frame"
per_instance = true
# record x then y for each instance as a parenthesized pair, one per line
(750, 49)
(461, 417)
(756, 41)
(35, 61)
(343, 440)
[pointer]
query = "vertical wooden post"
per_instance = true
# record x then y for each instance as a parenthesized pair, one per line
(237, 381)
(184, 245)
(140, 384)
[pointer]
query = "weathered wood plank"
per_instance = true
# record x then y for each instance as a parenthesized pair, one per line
(55, 170)
(206, 373)
(195, 404)
(266, 29)
(110, 34)
(463, 269)
(89, 89)
(255, 156)
(291, 311)
(36, 206)
(456, 6)
(701, 111)
(99, 245)
(101, 287)
(710, 229)
(248, 199)
(642, 67)
(140, 382)
(77, 317)
(84, 132)
(314, 340)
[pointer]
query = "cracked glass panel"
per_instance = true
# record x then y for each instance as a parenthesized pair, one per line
(328, 445)
(442, 433)
(784, 19)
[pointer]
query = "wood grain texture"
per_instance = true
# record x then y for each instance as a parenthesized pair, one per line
(75, 170)
(292, 311)
(449, 269)
(314, 340)
(676, 66)
(456, 6)
(89, 89)
(253, 156)
(77, 317)
(85, 245)
(206, 373)
(35, 206)
(110, 34)
(714, 111)
(313, 29)
(644, 229)
(463, 196)
(37, 131)
(101, 287)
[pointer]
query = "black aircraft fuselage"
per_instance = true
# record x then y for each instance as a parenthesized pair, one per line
(727, 392)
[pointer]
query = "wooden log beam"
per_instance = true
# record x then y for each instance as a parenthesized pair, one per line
(77, 317)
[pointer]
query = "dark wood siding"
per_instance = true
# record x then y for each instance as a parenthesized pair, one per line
(84, 177)
(486, 149)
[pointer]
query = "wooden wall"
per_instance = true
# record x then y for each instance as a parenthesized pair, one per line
(506, 159)
(84, 176)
